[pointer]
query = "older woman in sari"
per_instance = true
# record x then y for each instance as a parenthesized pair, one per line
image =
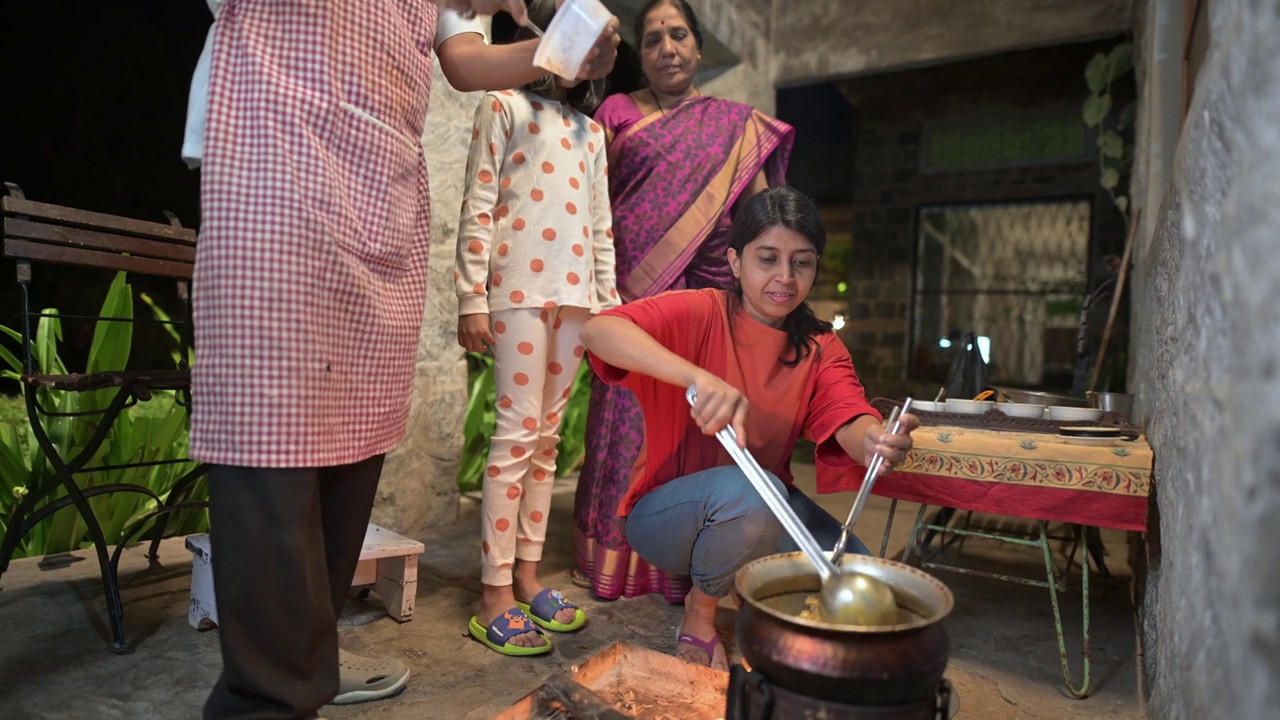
(679, 163)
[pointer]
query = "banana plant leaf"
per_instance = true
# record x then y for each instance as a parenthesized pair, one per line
(169, 327)
(478, 423)
(572, 449)
(149, 432)
(481, 417)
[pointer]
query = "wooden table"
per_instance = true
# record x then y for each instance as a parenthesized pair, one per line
(1036, 476)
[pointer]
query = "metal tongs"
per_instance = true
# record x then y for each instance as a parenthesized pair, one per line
(773, 497)
(868, 480)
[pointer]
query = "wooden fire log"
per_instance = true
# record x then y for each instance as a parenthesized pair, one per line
(561, 695)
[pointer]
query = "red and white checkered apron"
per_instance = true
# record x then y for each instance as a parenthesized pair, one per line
(311, 267)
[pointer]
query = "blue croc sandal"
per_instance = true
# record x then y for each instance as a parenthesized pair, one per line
(544, 607)
(503, 628)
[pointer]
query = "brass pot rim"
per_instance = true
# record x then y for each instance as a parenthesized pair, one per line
(881, 568)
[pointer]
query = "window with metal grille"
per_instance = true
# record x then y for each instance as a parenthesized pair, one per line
(1012, 273)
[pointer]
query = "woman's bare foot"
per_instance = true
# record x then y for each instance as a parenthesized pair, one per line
(580, 578)
(494, 601)
(697, 641)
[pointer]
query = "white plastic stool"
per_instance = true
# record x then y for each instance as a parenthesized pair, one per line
(388, 562)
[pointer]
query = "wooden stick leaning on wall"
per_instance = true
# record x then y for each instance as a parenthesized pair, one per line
(1115, 300)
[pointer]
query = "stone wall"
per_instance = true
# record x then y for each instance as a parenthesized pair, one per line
(418, 489)
(836, 38)
(744, 29)
(890, 187)
(1206, 367)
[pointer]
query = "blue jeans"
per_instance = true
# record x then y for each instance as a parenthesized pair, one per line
(709, 524)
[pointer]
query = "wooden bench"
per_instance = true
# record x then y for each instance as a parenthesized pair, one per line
(388, 564)
(40, 234)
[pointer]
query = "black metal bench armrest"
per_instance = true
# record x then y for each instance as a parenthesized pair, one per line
(151, 379)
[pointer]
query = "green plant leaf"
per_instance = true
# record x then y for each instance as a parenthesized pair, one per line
(15, 365)
(151, 431)
(1127, 115)
(48, 335)
(1096, 72)
(1111, 144)
(572, 449)
(1095, 109)
(167, 323)
(1120, 60)
(112, 340)
(478, 422)
(1122, 203)
(1110, 178)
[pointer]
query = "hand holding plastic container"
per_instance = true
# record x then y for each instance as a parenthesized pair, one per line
(570, 36)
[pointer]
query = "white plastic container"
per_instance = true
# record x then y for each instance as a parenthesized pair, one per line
(570, 36)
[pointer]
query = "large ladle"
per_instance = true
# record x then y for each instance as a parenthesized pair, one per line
(861, 599)
(850, 593)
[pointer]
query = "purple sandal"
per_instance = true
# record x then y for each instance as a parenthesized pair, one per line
(707, 646)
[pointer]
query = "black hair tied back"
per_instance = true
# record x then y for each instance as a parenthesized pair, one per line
(789, 208)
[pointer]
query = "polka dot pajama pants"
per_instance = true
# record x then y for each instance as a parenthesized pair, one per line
(536, 356)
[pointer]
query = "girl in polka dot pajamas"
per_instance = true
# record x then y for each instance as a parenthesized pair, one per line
(535, 260)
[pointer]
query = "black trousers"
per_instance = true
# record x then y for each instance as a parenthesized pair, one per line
(285, 544)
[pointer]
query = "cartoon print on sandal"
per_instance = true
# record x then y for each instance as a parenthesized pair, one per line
(546, 605)
(504, 627)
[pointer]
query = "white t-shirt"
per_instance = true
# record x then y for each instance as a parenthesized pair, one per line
(448, 24)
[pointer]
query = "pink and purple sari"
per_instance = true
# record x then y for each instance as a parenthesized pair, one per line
(674, 178)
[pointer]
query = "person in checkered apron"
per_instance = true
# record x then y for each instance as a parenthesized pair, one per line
(310, 277)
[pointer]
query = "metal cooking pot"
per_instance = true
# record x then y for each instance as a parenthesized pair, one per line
(1035, 397)
(1120, 404)
(883, 665)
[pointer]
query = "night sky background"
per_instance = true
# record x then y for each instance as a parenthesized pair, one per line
(94, 102)
(95, 97)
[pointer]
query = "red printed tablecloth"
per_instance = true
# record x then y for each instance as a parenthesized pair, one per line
(1030, 475)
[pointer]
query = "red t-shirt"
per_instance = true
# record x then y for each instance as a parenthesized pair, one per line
(813, 399)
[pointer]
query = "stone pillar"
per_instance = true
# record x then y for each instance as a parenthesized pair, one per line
(742, 83)
(745, 29)
(1208, 377)
(418, 490)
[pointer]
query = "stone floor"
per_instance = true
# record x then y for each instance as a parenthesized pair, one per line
(54, 661)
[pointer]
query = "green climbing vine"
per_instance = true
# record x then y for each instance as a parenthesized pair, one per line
(1115, 157)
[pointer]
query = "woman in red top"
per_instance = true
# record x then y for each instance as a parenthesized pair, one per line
(761, 362)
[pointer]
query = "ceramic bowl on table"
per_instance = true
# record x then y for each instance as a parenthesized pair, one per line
(928, 406)
(1073, 414)
(1021, 410)
(969, 407)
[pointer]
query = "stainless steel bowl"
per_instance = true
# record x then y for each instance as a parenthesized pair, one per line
(1120, 404)
(1036, 397)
